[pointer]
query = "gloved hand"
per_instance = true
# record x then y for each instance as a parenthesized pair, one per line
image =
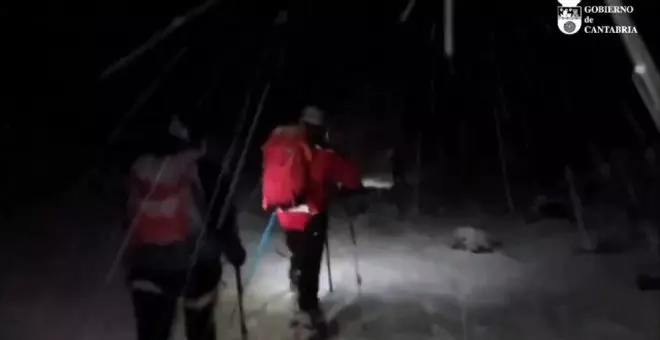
(232, 247)
(236, 255)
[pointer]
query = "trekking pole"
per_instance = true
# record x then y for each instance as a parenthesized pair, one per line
(241, 311)
(327, 261)
(358, 277)
(265, 237)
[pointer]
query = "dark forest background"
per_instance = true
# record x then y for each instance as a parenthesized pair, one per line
(560, 99)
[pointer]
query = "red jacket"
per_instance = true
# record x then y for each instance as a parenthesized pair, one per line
(159, 198)
(326, 170)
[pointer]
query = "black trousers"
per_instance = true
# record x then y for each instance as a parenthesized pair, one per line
(307, 254)
(155, 294)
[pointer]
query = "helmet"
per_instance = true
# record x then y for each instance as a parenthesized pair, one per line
(312, 115)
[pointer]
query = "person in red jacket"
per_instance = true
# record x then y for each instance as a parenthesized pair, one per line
(306, 229)
(169, 223)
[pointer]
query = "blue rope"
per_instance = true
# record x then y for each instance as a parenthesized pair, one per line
(265, 237)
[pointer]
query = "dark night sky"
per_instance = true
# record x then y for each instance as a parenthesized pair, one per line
(567, 90)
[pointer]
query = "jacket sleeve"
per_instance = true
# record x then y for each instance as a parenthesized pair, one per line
(132, 201)
(227, 232)
(198, 205)
(344, 172)
(228, 235)
(352, 193)
(208, 176)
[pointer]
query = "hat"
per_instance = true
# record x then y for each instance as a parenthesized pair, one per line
(312, 115)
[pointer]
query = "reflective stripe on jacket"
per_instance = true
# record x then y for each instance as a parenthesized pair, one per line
(161, 198)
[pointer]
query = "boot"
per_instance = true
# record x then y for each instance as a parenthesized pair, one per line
(317, 319)
(311, 324)
(200, 324)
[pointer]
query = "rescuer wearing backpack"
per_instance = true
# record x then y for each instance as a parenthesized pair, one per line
(167, 207)
(299, 173)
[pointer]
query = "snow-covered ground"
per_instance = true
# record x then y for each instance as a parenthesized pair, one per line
(414, 286)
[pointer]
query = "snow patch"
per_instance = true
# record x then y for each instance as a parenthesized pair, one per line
(473, 239)
(378, 182)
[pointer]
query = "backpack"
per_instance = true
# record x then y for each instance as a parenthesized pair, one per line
(162, 201)
(286, 160)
